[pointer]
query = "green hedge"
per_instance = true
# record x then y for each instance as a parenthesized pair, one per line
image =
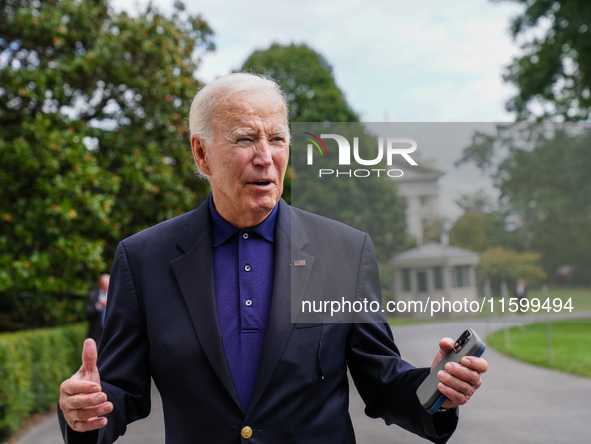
(33, 364)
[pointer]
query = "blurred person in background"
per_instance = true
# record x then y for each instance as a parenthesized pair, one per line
(96, 302)
(521, 292)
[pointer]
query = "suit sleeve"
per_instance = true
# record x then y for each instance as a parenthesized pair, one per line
(123, 360)
(384, 380)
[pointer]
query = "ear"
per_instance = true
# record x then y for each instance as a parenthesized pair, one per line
(199, 154)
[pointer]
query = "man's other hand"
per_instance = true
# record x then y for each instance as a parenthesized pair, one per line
(458, 382)
(81, 398)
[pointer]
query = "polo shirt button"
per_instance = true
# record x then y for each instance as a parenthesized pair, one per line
(245, 236)
(248, 303)
(247, 268)
(246, 432)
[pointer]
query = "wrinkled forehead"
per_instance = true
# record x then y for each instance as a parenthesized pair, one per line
(264, 106)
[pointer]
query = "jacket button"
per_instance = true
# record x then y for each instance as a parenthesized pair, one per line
(246, 432)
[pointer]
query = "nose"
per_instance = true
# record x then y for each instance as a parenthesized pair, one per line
(263, 155)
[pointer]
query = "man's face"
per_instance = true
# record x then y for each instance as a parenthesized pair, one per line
(247, 159)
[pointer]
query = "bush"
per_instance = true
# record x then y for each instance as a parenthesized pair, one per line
(33, 364)
(28, 310)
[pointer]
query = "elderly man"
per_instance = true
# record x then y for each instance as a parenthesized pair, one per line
(201, 304)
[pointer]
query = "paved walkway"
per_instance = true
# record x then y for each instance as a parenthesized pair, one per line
(518, 403)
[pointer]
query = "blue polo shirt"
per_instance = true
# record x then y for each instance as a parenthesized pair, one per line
(243, 261)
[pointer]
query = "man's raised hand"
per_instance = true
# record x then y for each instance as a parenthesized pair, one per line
(81, 398)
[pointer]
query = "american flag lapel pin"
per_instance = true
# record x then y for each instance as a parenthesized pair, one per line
(299, 263)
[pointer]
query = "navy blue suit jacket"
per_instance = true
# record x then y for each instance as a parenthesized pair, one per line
(162, 323)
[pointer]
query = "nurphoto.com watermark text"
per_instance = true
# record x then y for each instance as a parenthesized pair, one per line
(442, 305)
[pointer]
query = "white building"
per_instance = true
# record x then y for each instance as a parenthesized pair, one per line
(419, 187)
(434, 271)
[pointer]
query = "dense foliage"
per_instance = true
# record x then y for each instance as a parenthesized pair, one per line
(93, 145)
(307, 78)
(553, 75)
(545, 186)
(32, 366)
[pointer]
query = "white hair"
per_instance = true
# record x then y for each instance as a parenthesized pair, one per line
(218, 92)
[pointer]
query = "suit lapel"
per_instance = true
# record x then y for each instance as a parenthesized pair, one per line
(194, 274)
(289, 238)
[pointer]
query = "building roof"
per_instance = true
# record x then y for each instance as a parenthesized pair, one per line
(435, 250)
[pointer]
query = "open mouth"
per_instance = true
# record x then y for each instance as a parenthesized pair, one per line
(261, 183)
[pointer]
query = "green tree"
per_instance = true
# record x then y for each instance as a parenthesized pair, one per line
(549, 189)
(544, 180)
(93, 143)
(469, 232)
(369, 204)
(553, 75)
(482, 228)
(503, 264)
(307, 78)
(484, 223)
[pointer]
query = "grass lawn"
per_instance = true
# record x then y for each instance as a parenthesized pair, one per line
(581, 296)
(571, 345)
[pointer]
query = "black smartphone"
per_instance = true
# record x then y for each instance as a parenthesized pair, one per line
(468, 344)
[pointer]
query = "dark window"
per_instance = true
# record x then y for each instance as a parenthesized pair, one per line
(422, 281)
(461, 276)
(458, 277)
(406, 280)
(438, 274)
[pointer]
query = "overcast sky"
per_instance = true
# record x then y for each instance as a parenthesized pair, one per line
(419, 60)
(396, 60)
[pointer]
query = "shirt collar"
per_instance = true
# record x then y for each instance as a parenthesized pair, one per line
(223, 230)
